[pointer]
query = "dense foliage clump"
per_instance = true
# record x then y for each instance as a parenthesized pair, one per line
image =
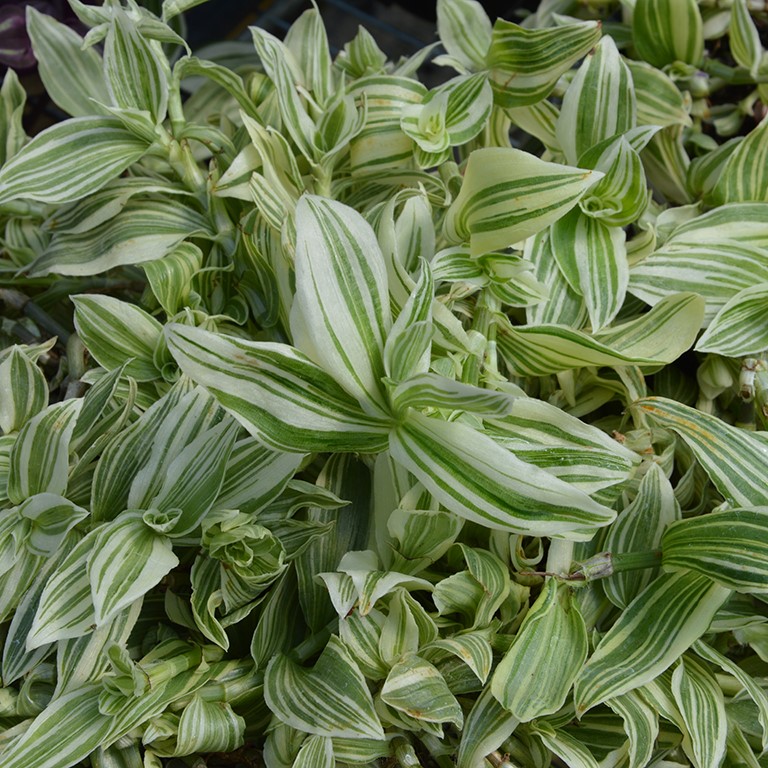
(351, 422)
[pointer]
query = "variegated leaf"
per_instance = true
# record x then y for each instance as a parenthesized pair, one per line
(481, 481)
(308, 42)
(340, 315)
(129, 559)
(277, 393)
(208, 726)
(550, 649)
(465, 32)
(745, 174)
(665, 31)
(731, 457)
(536, 350)
(117, 333)
(525, 64)
(331, 699)
(416, 687)
(24, 388)
(659, 100)
(599, 103)
(701, 704)
(316, 752)
(70, 160)
(744, 38)
(569, 749)
(639, 528)
(40, 456)
(593, 257)
(508, 195)
(730, 547)
(486, 727)
(73, 76)
(144, 230)
(655, 628)
(641, 724)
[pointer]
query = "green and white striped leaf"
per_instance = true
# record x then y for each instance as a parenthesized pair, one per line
(639, 528)
(569, 749)
(508, 195)
(704, 172)
(331, 699)
(700, 700)
(144, 230)
(744, 38)
(136, 69)
(129, 559)
(525, 64)
(730, 547)
(666, 31)
(308, 42)
(66, 608)
(24, 388)
(340, 316)
(738, 329)
(73, 76)
(751, 686)
(622, 195)
(170, 278)
(599, 103)
(276, 393)
(282, 68)
(465, 32)
(70, 160)
(536, 350)
(361, 635)
(429, 390)
(40, 456)
(416, 687)
(208, 726)
(550, 648)
(117, 333)
(641, 724)
(473, 648)
(732, 457)
(479, 480)
(745, 173)
(592, 256)
(659, 100)
(655, 628)
(486, 727)
(316, 752)
(13, 99)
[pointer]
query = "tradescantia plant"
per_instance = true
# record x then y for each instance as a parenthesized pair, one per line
(388, 425)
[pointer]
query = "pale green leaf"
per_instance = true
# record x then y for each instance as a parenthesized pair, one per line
(331, 699)
(536, 674)
(655, 628)
(481, 481)
(276, 392)
(340, 315)
(70, 160)
(731, 457)
(666, 31)
(701, 704)
(508, 195)
(525, 64)
(73, 76)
